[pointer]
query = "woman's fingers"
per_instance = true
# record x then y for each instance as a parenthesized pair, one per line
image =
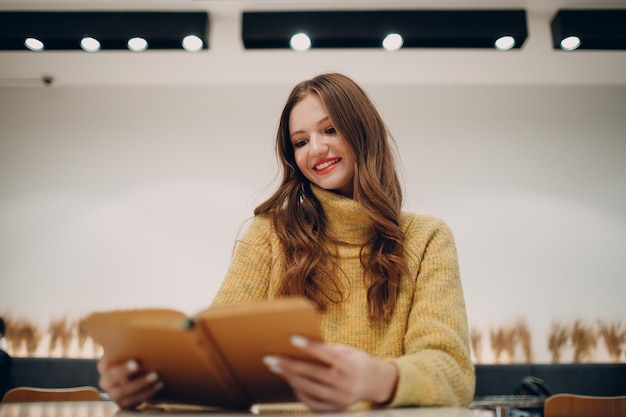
(113, 374)
(326, 386)
(136, 391)
(320, 396)
(345, 376)
(126, 384)
(319, 405)
(328, 354)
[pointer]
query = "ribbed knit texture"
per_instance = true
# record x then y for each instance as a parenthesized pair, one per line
(427, 338)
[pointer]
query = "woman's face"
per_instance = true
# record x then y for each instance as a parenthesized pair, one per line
(322, 154)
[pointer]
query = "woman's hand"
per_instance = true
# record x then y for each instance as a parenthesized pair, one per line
(126, 384)
(346, 376)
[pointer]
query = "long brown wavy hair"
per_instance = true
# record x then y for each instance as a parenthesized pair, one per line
(300, 221)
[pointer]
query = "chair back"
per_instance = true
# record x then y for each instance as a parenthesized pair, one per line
(33, 394)
(572, 405)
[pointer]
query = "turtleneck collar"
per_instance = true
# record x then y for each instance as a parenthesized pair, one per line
(347, 220)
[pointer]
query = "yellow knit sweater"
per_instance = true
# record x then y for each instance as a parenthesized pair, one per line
(427, 337)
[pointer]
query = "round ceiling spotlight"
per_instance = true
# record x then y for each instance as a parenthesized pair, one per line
(393, 42)
(192, 43)
(34, 44)
(90, 44)
(300, 42)
(137, 44)
(570, 43)
(504, 43)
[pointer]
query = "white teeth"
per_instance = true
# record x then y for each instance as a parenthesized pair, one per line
(326, 164)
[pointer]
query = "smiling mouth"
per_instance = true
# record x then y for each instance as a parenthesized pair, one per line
(326, 164)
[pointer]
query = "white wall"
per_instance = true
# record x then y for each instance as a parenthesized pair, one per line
(125, 197)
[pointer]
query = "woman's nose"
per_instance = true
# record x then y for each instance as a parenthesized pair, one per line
(318, 145)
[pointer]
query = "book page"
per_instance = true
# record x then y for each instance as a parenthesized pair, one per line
(245, 333)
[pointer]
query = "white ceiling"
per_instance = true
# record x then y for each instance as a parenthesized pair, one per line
(226, 62)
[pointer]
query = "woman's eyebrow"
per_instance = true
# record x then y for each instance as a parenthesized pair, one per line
(319, 122)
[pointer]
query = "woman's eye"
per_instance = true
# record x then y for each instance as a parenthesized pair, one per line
(299, 143)
(330, 131)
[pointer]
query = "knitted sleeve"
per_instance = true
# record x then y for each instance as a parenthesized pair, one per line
(436, 369)
(248, 276)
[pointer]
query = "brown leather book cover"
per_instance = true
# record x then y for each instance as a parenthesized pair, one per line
(215, 357)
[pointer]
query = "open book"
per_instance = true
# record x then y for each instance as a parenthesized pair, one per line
(215, 357)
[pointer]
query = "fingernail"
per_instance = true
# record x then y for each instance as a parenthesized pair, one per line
(298, 341)
(132, 365)
(152, 376)
(272, 363)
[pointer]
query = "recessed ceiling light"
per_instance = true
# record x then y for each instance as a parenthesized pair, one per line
(137, 44)
(90, 44)
(192, 43)
(570, 43)
(300, 42)
(504, 43)
(34, 44)
(393, 42)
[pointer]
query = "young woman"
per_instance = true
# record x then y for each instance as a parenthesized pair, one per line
(386, 282)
